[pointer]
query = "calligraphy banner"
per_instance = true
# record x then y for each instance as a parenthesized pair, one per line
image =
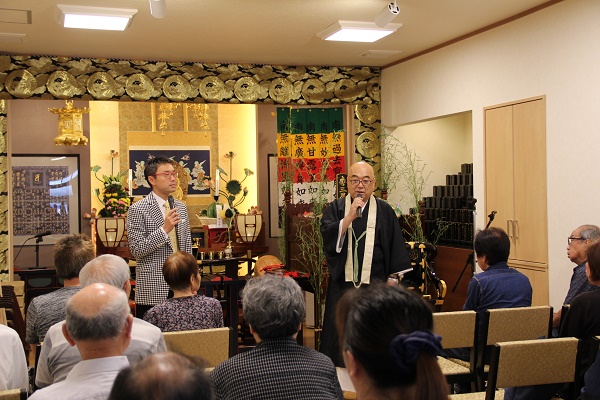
(310, 150)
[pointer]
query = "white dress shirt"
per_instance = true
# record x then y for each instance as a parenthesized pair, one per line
(13, 365)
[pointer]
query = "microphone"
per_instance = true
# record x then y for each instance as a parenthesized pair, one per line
(172, 207)
(41, 235)
(359, 209)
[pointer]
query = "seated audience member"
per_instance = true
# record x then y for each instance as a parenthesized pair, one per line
(163, 376)
(70, 255)
(591, 390)
(186, 310)
(13, 364)
(577, 247)
(57, 356)
(388, 345)
(99, 325)
(582, 321)
(278, 367)
(498, 286)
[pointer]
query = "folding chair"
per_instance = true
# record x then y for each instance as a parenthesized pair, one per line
(212, 345)
(458, 329)
(507, 325)
(528, 363)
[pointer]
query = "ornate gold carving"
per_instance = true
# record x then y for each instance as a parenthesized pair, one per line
(139, 87)
(367, 144)
(367, 113)
(281, 90)
(313, 91)
(102, 86)
(70, 125)
(346, 90)
(200, 112)
(246, 89)
(374, 90)
(212, 89)
(177, 88)
(63, 85)
(20, 83)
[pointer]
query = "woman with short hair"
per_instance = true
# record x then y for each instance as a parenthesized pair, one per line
(186, 310)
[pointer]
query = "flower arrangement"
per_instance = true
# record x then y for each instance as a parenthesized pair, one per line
(233, 187)
(114, 197)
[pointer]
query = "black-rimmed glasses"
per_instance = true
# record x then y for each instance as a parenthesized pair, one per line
(570, 239)
(365, 182)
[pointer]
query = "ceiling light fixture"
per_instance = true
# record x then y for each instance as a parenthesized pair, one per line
(158, 8)
(386, 15)
(357, 31)
(83, 17)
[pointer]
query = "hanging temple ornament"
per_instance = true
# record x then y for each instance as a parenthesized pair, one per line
(70, 125)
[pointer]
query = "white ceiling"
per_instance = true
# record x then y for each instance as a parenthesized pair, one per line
(251, 31)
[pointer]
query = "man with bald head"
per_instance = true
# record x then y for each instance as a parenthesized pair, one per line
(99, 324)
(163, 376)
(363, 243)
(578, 242)
(57, 356)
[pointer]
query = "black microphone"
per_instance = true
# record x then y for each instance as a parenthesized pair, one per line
(40, 235)
(172, 207)
(359, 209)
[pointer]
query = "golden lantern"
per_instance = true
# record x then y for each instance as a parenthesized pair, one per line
(70, 125)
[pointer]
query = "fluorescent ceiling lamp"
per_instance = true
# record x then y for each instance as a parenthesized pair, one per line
(357, 31)
(83, 17)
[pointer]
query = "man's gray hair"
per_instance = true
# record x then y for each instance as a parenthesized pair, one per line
(273, 305)
(107, 323)
(107, 268)
(591, 232)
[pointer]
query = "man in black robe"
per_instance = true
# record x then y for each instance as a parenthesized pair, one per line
(361, 246)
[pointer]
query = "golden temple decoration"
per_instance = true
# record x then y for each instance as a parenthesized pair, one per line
(200, 112)
(70, 125)
(166, 112)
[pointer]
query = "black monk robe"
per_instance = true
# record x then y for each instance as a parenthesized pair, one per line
(389, 256)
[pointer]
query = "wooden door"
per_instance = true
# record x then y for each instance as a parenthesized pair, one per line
(499, 194)
(529, 142)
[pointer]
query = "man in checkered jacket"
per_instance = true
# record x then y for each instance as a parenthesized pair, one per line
(149, 225)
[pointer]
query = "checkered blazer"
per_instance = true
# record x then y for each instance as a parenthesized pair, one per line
(151, 247)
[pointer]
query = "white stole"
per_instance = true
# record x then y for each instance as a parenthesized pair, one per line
(369, 245)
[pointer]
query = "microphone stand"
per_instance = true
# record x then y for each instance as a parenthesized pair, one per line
(472, 255)
(37, 250)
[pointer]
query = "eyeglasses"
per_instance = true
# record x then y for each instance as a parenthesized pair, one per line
(168, 175)
(570, 239)
(365, 182)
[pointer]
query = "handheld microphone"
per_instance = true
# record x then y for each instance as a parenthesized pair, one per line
(172, 207)
(171, 202)
(359, 209)
(40, 235)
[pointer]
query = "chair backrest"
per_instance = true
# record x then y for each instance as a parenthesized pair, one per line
(532, 362)
(14, 317)
(13, 394)
(212, 345)
(457, 328)
(511, 324)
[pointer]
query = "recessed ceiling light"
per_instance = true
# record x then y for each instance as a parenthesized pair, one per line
(83, 17)
(357, 31)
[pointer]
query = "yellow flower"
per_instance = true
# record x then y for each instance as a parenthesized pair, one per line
(222, 214)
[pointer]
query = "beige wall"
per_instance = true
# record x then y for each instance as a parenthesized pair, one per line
(32, 129)
(552, 53)
(443, 144)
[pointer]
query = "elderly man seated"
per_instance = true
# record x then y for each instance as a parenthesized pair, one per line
(57, 356)
(163, 376)
(99, 324)
(278, 367)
